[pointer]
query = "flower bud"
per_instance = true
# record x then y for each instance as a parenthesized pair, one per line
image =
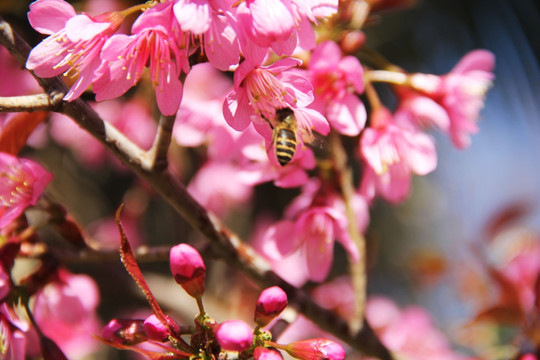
(124, 331)
(234, 335)
(262, 353)
(188, 269)
(271, 303)
(316, 349)
(156, 330)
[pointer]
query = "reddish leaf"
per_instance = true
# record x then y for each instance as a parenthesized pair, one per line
(509, 292)
(537, 293)
(16, 131)
(128, 259)
(505, 217)
(50, 350)
(501, 314)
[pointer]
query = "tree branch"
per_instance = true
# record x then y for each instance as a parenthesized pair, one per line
(225, 244)
(29, 103)
(157, 155)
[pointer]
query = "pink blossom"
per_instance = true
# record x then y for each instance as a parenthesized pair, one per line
(409, 332)
(65, 310)
(74, 44)
(21, 183)
(260, 90)
(5, 284)
(312, 228)
(155, 42)
(394, 151)
(20, 81)
(281, 25)
(213, 21)
(272, 301)
(188, 269)
(234, 335)
(219, 196)
(316, 349)
(461, 92)
(337, 80)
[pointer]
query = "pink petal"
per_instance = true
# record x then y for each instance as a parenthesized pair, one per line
(271, 20)
(475, 60)
(85, 79)
(81, 27)
(354, 72)
(422, 156)
(325, 56)
(427, 111)
(221, 44)
(193, 16)
(168, 91)
(45, 56)
(347, 117)
(50, 16)
(319, 254)
(236, 110)
(280, 240)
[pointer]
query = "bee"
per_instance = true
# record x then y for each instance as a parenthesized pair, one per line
(285, 137)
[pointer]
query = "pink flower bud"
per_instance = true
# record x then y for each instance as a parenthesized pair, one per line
(124, 331)
(156, 330)
(316, 349)
(188, 269)
(234, 335)
(271, 303)
(262, 353)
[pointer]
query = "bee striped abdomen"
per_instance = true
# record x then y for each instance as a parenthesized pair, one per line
(285, 144)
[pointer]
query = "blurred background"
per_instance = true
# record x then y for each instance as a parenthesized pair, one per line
(419, 250)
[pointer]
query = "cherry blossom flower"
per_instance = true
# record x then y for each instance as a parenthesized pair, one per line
(65, 311)
(393, 151)
(281, 25)
(74, 45)
(213, 21)
(260, 90)
(312, 223)
(337, 80)
(157, 43)
(21, 183)
(461, 93)
(234, 335)
(263, 353)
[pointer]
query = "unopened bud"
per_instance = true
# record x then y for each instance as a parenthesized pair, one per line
(271, 303)
(124, 331)
(188, 269)
(156, 330)
(316, 349)
(262, 353)
(234, 335)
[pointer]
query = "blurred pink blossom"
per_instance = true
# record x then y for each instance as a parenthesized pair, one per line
(312, 226)
(74, 44)
(337, 80)
(409, 332)
(132, 118)
(219, 196)
(21, 183)
(461, 93)
(393, 151)
(65, 311)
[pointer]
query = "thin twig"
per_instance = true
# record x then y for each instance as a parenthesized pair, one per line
(157, 155)
(29, 103)
(226, 244)
(358, 268)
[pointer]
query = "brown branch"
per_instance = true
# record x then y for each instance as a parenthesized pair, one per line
(29, 103)
(225, 244)
(157, 155)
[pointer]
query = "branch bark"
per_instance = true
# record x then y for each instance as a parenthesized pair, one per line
(225, 243)
(29, 103)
